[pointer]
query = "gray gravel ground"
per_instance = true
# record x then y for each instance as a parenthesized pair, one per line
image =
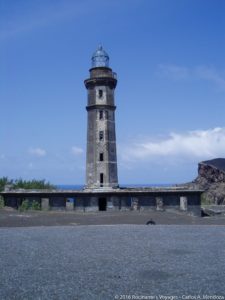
(14, 218)
(101, 262)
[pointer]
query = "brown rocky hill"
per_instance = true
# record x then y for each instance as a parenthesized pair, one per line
(211, 179)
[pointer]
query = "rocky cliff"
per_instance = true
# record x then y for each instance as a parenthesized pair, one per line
(211, 179)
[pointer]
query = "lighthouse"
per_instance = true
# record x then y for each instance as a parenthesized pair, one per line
(101, 158)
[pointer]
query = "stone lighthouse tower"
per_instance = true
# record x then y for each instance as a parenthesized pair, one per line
(101, 165)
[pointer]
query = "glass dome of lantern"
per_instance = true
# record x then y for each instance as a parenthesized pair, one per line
(100, 58)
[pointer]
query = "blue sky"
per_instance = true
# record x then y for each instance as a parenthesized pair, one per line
(169, 57)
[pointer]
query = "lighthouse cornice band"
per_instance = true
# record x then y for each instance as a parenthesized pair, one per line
(101, 106)
(92, 82)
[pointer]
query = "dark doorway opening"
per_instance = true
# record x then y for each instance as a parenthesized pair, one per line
(101, 179)
(102, 204)
(100, 93)
(100, 114)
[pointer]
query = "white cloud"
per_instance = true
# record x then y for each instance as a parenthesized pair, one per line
(39, 152)
(192, 145)
(210, 74)
(76, 150)
(176, 72)
(172, 71)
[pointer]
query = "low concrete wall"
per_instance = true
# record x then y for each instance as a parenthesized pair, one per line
(69, 206)
(189, 203)
(45, 203)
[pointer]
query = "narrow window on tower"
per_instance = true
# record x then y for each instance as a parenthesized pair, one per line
(101, 135)
(101, 179)
(100, 93)
(101, 156)
(100, 114)
(106, 115)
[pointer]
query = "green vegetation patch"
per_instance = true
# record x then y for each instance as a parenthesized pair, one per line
(25, 184)
(29, 205)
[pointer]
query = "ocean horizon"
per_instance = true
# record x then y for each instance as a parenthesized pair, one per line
(81, 186)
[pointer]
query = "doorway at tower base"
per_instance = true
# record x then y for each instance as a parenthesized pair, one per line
(97, 203)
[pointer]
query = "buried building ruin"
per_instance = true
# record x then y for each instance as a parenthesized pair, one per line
(102, 191)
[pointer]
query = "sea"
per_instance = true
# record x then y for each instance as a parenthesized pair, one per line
(81, 186)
